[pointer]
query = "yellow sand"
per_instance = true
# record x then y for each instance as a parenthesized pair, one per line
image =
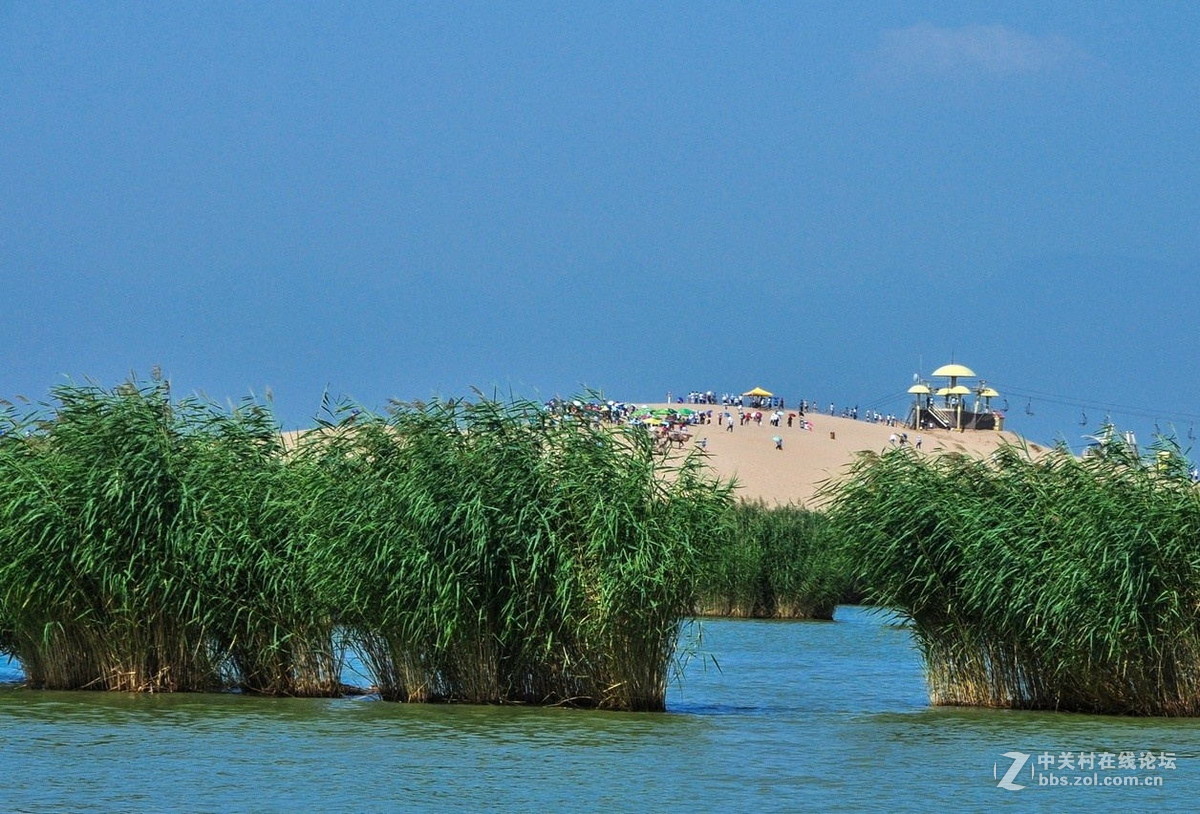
(794, 473)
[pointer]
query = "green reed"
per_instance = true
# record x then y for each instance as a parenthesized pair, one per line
(772, 562)
(147, 544)
(490, 552)
(468, 550)
(1050, 583)
(251, 561)
(91, 570)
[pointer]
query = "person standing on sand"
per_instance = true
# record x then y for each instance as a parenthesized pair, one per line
(778, 439)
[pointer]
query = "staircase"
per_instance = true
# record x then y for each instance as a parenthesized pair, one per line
(943, 418)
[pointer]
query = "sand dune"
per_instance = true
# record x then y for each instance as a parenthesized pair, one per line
(793, 474)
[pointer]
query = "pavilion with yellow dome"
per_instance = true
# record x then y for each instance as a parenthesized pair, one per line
(948, 407)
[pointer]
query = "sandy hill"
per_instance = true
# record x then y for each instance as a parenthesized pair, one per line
(793, 474)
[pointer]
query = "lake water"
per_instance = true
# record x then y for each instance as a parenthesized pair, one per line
(807, 716)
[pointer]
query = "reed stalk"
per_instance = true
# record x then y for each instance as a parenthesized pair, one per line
(493, 553)
(471, 551)
(772, 562)
(1054, 583)
(90, 558)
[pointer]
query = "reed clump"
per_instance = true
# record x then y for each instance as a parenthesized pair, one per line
(469, 551)
(496, 553)
(251, 562)
(772, 562)
(94, 575)
(1049, 583)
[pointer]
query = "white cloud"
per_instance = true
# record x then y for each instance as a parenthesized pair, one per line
(972, 51)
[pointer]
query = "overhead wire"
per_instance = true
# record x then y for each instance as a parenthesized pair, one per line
(1032, 396)
(1096, 405)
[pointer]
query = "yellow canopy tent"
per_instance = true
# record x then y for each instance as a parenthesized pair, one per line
(953, 371)
(758, 391)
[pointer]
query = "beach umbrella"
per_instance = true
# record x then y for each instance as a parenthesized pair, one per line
(956, 390)
(918, 390)
(953, 371)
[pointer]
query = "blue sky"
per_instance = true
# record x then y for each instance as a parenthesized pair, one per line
(819, 198)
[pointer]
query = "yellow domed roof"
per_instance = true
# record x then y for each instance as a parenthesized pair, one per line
(954, 370)
(918, 388)
(989, 392)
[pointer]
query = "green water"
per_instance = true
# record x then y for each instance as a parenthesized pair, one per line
(800, 717)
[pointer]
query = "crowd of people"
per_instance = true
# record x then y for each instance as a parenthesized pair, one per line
(755, 407)
(676, 423)
(773, 402)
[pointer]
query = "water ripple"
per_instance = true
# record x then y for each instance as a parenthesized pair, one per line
(799, 716)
